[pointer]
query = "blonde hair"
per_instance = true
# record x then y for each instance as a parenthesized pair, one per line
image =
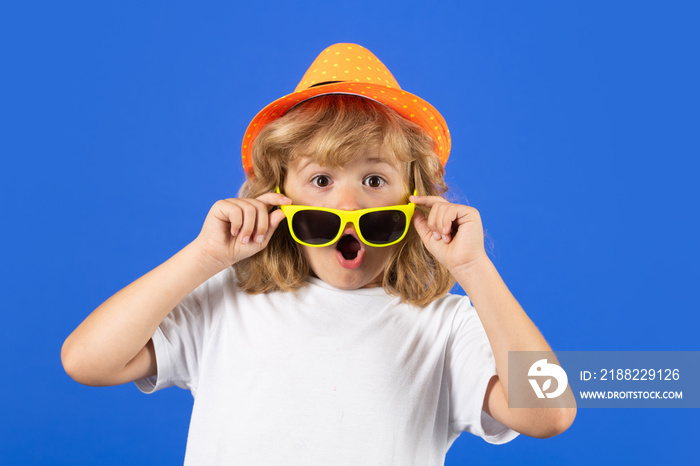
(332, 130)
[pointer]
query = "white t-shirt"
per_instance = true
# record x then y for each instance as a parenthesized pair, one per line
(325, 376)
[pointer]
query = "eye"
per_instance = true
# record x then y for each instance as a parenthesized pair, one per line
(374, 181)
(321, 181)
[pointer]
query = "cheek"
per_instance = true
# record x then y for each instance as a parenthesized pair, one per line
(380, 256)
(315, 256)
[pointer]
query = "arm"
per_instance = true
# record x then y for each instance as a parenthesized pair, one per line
(113, 344)
(454, 235)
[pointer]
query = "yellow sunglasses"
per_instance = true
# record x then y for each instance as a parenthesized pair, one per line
(320, 226)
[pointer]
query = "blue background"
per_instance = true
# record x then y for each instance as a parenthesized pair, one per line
(575, 132)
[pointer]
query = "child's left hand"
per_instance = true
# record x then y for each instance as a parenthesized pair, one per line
(453, 233)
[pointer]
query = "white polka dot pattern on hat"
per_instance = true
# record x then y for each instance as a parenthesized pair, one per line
(322, 78)
(346, 58)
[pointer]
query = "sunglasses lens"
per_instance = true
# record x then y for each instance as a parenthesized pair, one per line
(383, 227)
(315, 227)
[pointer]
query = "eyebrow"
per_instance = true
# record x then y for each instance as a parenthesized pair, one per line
(308, 162)
(392, 165)
(371, 161)
(377, 160)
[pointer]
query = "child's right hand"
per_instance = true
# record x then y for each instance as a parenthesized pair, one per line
(235, 229)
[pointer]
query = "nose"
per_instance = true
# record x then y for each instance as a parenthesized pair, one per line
(347, 198)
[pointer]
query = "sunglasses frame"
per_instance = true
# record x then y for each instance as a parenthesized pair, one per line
(348, 216)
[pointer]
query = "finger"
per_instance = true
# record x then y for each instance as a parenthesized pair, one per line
(249, 221)
(420, 223)
(446, 220)
(435, 218)
(263, 216)
(235, 217)
(443, 219)
(261, 222)
(273, 199)
(427, 201)
(228, 212)
(274, 220)
(249, 217)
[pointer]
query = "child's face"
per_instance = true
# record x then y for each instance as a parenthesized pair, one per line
(367, 181)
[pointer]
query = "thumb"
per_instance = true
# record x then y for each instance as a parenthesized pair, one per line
(276, 218)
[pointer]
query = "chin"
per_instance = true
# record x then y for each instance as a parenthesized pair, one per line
(363, 269)
(350, 281)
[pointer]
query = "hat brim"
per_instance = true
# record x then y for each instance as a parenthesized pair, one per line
(409, 106)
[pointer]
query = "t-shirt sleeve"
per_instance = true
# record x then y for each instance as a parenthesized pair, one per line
(471, 365)
(181, 338)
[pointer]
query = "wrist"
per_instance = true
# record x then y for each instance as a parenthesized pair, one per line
(204, 262)
(474, 265)
(470, 273)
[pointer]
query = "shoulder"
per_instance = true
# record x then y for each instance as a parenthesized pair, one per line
(451, 301)
(452, 305)
(223, 286)
(458, 314)
(445, 313)
(205, 302)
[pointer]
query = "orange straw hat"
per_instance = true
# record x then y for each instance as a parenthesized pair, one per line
(352, 69)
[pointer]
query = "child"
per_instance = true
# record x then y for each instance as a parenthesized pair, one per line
(309, 332)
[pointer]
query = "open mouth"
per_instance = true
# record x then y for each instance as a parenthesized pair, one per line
(348, 246)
